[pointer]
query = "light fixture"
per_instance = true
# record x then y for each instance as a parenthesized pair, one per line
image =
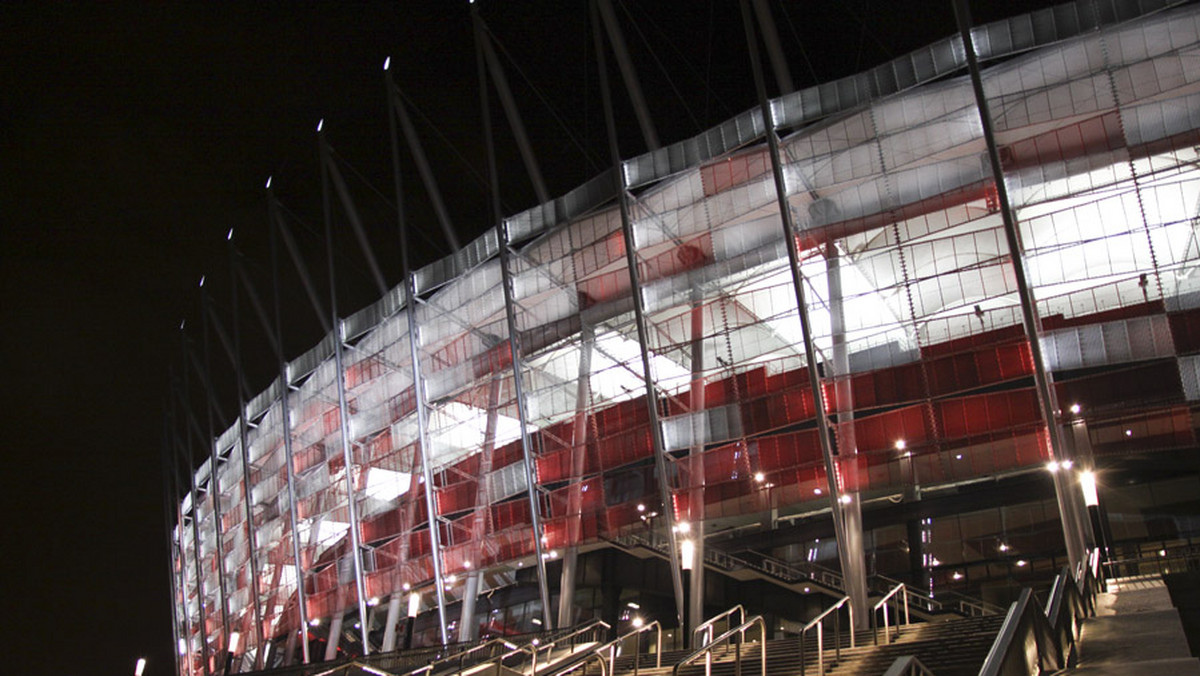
(1052, 466)
(1003, 547)
(845, 499)
(234, 639)
(637, 622)
(816, 491)
(414, 604)
(1067, 464)
(1021, 563)
(387, 63)
(1087, 483)
(958, 456)
(633, 605)
(315, 622)
(759, 477)
(141, 666)
(687, 552)
(1075, 408)
(641, 507)
(684, 527)
(957, 575)
(373, 601)
(536, 621)
(900, 445)
(1129, 433)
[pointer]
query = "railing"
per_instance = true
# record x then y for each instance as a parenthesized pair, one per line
(971, 607)
(537, 647)
(1164, 560)
(1023, 626)
(908, 665)
(707, 626)
(819, 623)
(739, 632)
(900, 590)
(609, 650)
(462, 656)
(912, 595)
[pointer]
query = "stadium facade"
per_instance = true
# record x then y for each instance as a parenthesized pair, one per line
(623, 375)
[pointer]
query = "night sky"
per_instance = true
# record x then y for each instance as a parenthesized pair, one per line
(134, 136)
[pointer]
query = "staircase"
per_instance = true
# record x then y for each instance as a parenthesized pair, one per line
(951, 648)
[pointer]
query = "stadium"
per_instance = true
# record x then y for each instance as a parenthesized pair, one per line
(826, 345)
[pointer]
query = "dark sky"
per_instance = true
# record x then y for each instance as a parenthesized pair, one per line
(134, 135)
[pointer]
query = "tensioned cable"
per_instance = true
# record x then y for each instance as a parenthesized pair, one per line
(665, 37)
(346, 260)
(803, 52)
(453, 148)
(537, 92)
(663, 68)
(390, 205)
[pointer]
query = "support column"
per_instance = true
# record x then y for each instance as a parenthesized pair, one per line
(854, 568)
(579, 430)
(535, 512)
(414, 340)
(335, 635)
(696, 461)
(343, 415)
(1072, 536)
(810, 353)
(289, 458)
(484, 53)
(214, 484)
(389, 626)
(191, 470)
(467, 627)
(660, 458)
(251, 539)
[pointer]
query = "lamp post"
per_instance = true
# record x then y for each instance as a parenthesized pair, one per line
(687, 558)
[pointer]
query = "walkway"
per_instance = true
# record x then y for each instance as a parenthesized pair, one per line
(1136, 631)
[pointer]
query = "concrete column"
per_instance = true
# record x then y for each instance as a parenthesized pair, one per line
(467, 627)
(393, 618)
(695, 615)
(854, 569)
(583, 394)
(335, 635)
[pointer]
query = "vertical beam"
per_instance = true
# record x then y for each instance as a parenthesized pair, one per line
(810, 352)
(531, 486)
(191, 470)
(484, 53)
(660, 458)
(466, 618)
(1072, 534)
(214, 484)
(579, 429)
(175, 537)
(286, 423)
(343, 413)
(855, 567)
(426, 460)
(696, 463)
(632, 85)
(251, 539)
(410, 304)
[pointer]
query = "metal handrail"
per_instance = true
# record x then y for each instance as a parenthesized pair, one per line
(740, 632)
(534, 647)
(707, 625)
(458, 656)
(901, 589)
(931, 604)
(610, 649)
(819, 623)
(908, 665)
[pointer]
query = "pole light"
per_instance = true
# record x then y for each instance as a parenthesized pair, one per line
(141, 667)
